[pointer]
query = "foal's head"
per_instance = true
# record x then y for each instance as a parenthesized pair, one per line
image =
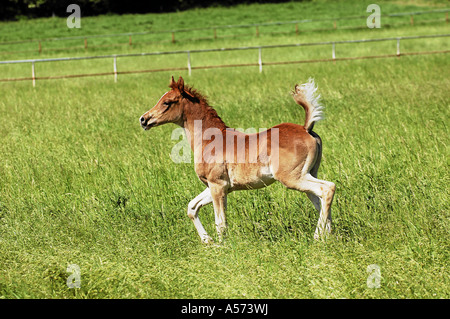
(170, 107)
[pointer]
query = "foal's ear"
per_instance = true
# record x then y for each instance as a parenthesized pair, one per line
(180, 84)
(172, 84)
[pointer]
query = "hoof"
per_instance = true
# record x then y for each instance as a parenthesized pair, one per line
(207, 240)
(321, 236)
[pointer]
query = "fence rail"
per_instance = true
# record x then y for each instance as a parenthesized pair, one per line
(189, 66)
(213, 29)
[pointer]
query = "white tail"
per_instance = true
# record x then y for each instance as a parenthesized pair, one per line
(306, 95)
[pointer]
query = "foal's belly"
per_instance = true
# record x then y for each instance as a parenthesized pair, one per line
(247, 176)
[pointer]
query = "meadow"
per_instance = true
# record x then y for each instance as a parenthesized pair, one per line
(81, 183)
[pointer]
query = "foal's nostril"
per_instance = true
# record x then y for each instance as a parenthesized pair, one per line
(142, 119)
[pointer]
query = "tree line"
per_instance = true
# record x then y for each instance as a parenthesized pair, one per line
(16, 9)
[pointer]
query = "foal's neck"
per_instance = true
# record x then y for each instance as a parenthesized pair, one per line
(199, 117)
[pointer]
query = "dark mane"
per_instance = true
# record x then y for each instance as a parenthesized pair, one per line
(193, 93)
(196, 97)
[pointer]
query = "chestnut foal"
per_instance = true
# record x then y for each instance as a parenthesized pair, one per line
(287, 152)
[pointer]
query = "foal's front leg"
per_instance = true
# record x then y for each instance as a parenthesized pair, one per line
(204, 198)
(219, 198)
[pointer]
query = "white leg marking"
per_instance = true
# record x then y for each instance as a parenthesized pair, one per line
(324, 191)
(204, 198)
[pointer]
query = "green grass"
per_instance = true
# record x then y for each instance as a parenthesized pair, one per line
(81, 183)
(46, 28)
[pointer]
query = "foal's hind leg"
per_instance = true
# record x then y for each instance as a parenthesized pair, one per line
(321, 194)
(317, 202)
(313, 198)
(324, 191)
(194, 206)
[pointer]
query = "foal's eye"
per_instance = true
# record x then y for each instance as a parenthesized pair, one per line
(167, 103)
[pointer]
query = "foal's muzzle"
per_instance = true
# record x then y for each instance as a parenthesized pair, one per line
(146, 123)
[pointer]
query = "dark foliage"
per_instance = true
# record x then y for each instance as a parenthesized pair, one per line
(14, 9)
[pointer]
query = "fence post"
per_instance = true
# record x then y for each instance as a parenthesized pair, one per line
(412, 20)
(129, 42)
(446, 17)
(334, 24)
(115, 69)
(215, 34)
(40, 47)
(189, 62)
(296, 28)
(398, 47)
(260, 59)
(257, 31)
(85, 43)
(333, 52)
(33, 74)
(173, 37)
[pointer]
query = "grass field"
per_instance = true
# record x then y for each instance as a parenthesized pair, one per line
(81, 183)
